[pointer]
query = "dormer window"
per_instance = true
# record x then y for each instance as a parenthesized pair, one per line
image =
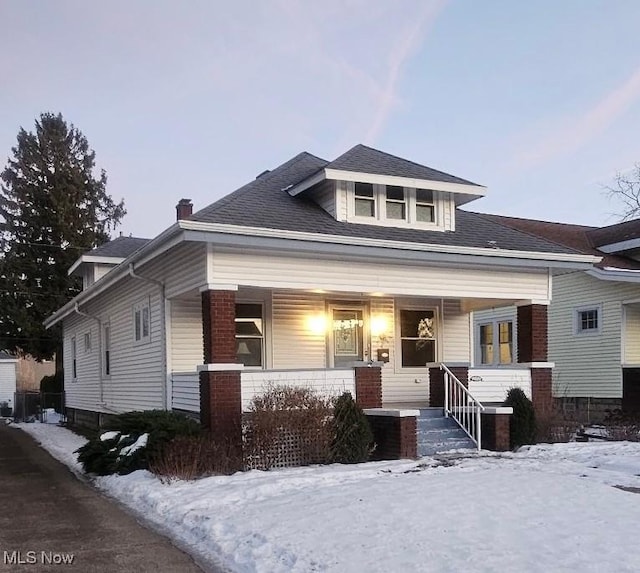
(425, 210)
(365, 200)
(396, 203)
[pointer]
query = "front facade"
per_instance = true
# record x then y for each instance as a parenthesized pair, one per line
(307, 275)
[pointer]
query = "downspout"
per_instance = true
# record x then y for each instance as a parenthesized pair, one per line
(163, 319)
(100, 381)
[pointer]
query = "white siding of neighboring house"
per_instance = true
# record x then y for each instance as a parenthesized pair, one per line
(289, 272)
(7, 381)
(587, 365)
(632, 334)
(138, 371)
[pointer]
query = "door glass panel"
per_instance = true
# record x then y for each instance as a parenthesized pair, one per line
(347, 336)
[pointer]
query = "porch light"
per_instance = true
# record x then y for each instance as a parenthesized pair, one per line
(379, 327)
(317, 324)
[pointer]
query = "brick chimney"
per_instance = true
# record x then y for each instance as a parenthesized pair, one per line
(184, 209)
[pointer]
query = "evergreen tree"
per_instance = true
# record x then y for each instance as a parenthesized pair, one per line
(53, 208)
(352, 437)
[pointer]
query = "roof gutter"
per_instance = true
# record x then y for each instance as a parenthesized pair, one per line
(617, 275)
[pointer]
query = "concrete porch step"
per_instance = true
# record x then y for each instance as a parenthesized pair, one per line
(436, 434)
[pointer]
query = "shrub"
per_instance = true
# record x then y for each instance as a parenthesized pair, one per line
(287, 425)
(523, 420)
(53, 384)
(352, 436)
(126, 448)
(192, 457)
(553, 426)
(623, 426)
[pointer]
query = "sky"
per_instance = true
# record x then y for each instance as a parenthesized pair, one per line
(538, 101)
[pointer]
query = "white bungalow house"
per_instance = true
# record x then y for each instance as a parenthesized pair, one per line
(306, 272)
(594, 320)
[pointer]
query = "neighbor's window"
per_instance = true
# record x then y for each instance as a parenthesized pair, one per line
(417, 337)
(87, 342)
(588, 320)
(249, 334)
(396, 203)
(425, 210)
(141, 322)
(106, 359)
(496, 335)
(74, 359)
(365, 200)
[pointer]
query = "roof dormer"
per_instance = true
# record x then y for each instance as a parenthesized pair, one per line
(367, 186)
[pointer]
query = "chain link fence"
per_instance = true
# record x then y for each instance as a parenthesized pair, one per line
(46, 407)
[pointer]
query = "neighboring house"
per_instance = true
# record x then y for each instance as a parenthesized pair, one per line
(29, 373)
(307, 275)
(7, 378)
(594, 319)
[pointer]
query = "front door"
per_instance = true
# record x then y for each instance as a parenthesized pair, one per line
(347, 336)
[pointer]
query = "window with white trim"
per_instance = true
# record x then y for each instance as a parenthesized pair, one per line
(587, 320)
(141, 322)
(365, 200)
(417, 337)
(74, 358)
(425, 207)
(495, 342)
(106, 349)
(250, 334)
(396, 202)
(87, 342)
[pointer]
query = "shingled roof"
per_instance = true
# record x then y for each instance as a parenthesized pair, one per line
(582, 238)
(120, 247)
(365, 159)
(265, 203)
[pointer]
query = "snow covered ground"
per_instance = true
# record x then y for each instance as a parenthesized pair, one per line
(545, 508)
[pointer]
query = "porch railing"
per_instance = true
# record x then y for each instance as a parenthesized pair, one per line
(461, 405)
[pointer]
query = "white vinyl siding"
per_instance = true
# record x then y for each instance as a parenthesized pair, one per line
(187, 350)
(138, 372)
(325, 196)
(492, 384)
(632, 334)
(7, 381)
(288, 272)
(587, 365)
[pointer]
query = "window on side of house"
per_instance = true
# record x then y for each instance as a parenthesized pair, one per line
(141, 322)
(365, 200)
(417, 337)
(87, 342)
(588, 320)
(74, 358)
(106, 349)
(496, 343)
(425, 208)
(250, 334)
(396, 202)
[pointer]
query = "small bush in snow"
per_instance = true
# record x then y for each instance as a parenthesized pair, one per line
(352, 437)
(623, 426)
(192, 457)
(286, 426)
(130, 440)
(523, 420)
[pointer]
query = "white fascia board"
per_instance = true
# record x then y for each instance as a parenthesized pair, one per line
(94, 259)
(224, 229)
(621, 246)
(164, 241)
(468, 189)
(308, 182)
(617, 275)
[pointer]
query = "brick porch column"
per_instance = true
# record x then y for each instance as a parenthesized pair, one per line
(220, 399)
(436, 382)
(533, 350)
(368, 386)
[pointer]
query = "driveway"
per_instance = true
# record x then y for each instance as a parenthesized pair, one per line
(47, 515)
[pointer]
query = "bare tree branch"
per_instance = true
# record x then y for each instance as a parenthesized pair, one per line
(626, 190)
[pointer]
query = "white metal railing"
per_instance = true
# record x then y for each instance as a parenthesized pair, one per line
(461, 405)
